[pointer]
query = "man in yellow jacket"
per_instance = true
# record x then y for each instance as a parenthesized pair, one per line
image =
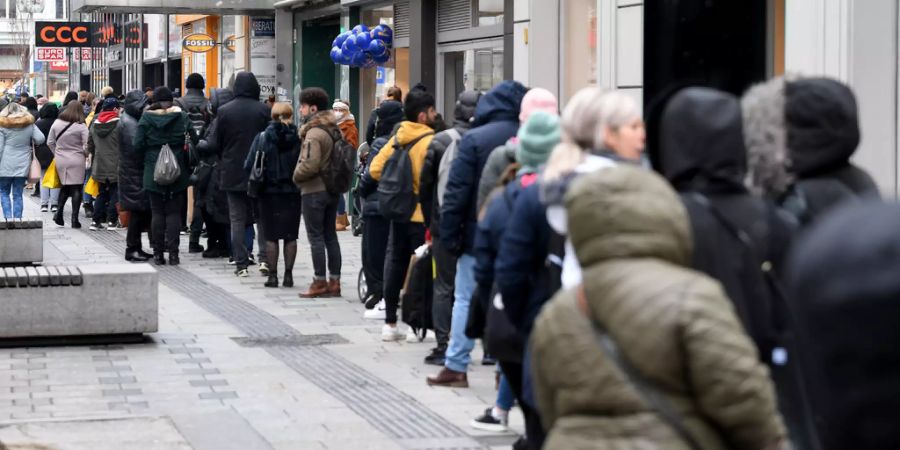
(405, 237)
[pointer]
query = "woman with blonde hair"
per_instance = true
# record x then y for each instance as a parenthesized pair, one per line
(278, 147)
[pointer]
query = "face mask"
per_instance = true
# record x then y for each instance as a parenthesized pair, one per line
(340, 114)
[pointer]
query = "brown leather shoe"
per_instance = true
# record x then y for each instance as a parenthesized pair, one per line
(318, 288)
(341, 222)
(449, 378)
(334, 288)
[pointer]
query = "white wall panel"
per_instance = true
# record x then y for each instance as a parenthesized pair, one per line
(630, 46)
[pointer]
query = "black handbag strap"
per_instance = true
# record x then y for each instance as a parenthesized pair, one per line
(64, 130)
(647, 391)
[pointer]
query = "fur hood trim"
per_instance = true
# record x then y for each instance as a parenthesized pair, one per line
(171, 109)
(765, 135)
(319, 119)
(16, 120)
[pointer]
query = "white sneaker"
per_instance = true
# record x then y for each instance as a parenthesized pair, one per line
(391, 334)
(412, 338)
(376, 313)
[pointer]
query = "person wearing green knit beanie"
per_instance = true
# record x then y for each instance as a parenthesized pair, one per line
(537, 138)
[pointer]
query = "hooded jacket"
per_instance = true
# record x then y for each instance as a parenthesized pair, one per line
(315, 151)
(702, 154)
(674, 325)
(389, 115)
(239, 122)
(195, 104)
(496, 120)
(132, 196)
(47, 115)
(158, 127)
(347, 124)
(103, 145)
(407, 133)
(800, 135)
(841, 275)
(208, 190)
(431, 176)
(281, 146)
(17, 132)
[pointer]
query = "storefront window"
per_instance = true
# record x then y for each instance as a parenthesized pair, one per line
(174, 38)
(228, 35)
(475, 69)
(376, 81)
(488, 12)
(580, 45)
(156, 36)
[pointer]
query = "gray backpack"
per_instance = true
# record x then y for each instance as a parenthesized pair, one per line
(446, 164)
(166, 171)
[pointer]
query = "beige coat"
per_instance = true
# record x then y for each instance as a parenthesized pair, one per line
(673, 324)
(69, 151)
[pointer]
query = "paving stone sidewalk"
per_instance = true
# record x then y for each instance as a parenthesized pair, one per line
(237, 365)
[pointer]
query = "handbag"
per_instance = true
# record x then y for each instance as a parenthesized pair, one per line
(191, 150)
(257, 174)
(92, 187)
(34, 170)
(645, 389)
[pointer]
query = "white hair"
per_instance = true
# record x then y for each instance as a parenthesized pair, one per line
(588, 115)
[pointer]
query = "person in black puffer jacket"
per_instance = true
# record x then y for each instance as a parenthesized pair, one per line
(47, 116)
(132, 197)
(800, 135)
(842, 279)
(432, 184)
(211, 199)
(238, 124)
(278, 196)
(376, 227)
(195, 104)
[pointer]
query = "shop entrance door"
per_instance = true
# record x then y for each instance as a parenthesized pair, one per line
(174, 80)
(84, 83)
(153, 75)
(475, 65)
(115, 80)
(316, 68)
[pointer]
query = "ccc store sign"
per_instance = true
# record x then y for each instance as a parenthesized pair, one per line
(67, 34)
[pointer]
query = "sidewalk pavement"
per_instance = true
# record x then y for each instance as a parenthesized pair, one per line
(236, 365)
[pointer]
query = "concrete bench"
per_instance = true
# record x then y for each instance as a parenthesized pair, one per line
(87, 300)
(21, 241)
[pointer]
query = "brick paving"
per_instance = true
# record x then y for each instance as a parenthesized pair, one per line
(282, 372)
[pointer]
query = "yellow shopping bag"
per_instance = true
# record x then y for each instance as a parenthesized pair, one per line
(51, 178)
(92, 188)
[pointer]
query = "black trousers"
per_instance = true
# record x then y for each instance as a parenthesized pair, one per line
(166, 221)
(72, 191)
(376, 230)
(216, 233)
(404, 239)
(534, 431)
(442, 303)
(137, 223)
(105, 203)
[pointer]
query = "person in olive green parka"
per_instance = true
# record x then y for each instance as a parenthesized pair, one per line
(165, 123)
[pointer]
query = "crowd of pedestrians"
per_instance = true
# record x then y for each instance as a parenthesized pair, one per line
(704, 293)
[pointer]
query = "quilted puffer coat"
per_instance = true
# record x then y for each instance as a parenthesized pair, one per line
(674, 325)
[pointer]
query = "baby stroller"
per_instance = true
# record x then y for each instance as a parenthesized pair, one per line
(356, 214)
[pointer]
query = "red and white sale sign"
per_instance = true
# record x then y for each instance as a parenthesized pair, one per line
(59, 66)
(51, 54)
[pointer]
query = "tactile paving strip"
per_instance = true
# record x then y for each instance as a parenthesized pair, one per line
(388, 409)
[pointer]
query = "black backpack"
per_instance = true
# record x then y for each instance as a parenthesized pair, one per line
(397, 200)
(417, 295)
(337, 174)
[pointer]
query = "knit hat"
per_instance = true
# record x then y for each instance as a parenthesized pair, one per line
(537, 99)
(110, 104)
(162, 94)
(195, 81)
(537, 138)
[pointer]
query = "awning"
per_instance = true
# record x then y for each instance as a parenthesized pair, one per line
(217, 7)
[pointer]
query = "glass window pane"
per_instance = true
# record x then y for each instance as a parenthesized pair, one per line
(580, 28)
(488, 12)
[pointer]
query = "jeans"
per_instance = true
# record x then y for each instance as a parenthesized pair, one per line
(105, 205)
(506, 398)
(460, 348)
(137, 223)
(319, 210)
(166, 221)
(241, 216)
(442, 302)
(196, 221)
(48, 196)
(12, 186)
(404, 239)
(342, 205)
(376, 230)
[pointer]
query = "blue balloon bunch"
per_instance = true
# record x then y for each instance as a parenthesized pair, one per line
(363, 47)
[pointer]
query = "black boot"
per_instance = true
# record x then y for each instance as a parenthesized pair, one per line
(195, 247)
(75, 223)
(144, 254)
(288, 280)
(159, 258)
(134, 256)
(58, 219)
(173, 259)
(272, 281)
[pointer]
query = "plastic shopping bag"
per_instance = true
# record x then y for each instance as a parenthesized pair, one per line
(92, 187)
(51, 178)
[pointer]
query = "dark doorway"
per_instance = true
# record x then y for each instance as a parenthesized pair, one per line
(153, 74)
(115, 80)
(84, 83)
(715, 43)
(317, 70)
(454, 80)
(174, 80)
